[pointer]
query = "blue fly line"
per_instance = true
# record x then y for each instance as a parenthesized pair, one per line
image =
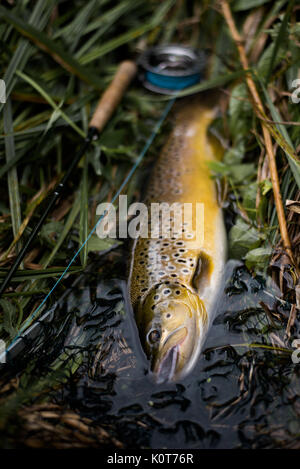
(126, 180)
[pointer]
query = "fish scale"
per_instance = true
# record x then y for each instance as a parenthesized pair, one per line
(164, 269)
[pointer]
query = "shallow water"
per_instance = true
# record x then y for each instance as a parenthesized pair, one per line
(236, 396)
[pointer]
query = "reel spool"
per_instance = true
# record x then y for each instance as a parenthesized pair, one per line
(171, 68)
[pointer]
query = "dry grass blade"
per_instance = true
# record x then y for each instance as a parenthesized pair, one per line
(12, 176)
(53, 426)
(259, 109)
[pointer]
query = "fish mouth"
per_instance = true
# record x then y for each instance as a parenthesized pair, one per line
(165, 368)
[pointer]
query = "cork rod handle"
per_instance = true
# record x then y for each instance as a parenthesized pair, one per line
(113, 94)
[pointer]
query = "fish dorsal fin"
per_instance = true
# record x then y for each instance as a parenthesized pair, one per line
(202, 272)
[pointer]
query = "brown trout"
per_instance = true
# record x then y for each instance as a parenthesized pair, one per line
(174, 281)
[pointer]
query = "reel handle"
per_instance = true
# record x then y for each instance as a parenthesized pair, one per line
(113, 94)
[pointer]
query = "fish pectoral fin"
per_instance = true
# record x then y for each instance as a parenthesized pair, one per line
(202, 272)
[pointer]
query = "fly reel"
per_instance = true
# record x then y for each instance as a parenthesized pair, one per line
(171, 68)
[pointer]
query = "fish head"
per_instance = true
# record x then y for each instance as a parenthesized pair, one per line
(172, 325)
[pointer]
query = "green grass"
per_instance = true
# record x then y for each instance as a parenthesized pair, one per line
(48, 49)
(58, 58)
(60, 55)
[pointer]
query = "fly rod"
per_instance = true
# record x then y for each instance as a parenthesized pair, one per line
(104, 110)
(163, 70)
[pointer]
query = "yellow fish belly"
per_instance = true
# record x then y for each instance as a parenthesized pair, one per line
(181, 175)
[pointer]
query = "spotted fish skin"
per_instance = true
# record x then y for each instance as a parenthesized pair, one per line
(165, 271)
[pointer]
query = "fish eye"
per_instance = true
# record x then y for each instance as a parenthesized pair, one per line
(153, 336)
